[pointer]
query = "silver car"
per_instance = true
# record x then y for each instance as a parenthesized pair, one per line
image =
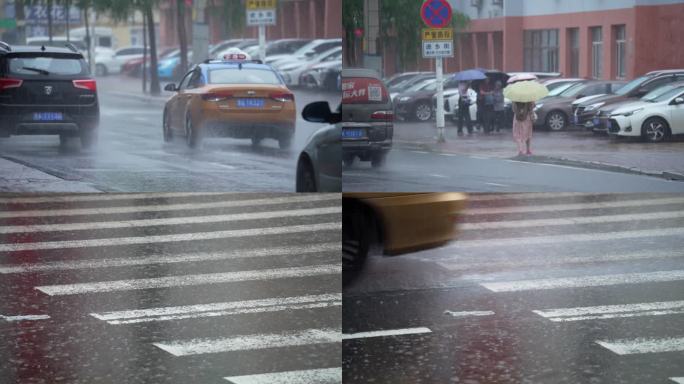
(319, 166)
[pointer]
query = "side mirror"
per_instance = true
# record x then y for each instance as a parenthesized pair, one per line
(171, 87)
(318, 112)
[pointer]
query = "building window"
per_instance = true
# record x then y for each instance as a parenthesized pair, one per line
(540, 50)
(620, 51)
(596, 52)
(573, 51)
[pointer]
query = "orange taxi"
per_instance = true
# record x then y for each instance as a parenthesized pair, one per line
(234, 97)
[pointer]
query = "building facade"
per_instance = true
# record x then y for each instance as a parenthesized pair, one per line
(580, 38)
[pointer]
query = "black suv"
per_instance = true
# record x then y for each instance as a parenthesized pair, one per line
(47, 91)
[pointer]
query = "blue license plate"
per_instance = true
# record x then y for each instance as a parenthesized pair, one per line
(250, 103)
(48, 116)
(596, 122)
(352, 133)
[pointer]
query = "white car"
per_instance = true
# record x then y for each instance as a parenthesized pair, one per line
(110, 63)
(655, 117)
(309, 50)
(452, 106)
(292, 71)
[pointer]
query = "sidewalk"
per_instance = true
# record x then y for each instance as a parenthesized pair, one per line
(572, 147)
(131, 87)
(16, 177)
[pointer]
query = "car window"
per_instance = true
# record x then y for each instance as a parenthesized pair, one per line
(242, 76)
(184, 83)
(195, 80)
(631, 85)
(615, 86)
(55, 65)
(657, 83)
(562, 88)
(363, 90)
(326, 46)
(662, 93)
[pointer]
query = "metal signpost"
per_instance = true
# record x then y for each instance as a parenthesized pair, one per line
(438, 42)
(261, 13)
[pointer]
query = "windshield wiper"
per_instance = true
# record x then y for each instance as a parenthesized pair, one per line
(41, 71)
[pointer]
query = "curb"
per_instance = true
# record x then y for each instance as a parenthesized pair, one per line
(146, 98)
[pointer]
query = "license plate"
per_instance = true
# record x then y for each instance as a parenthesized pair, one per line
(48, 116)
(595, 121)
(250, 103)
(352, 133)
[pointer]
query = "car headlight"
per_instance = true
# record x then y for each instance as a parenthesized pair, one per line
(405, 98)
(628, 113)
(538, 106)
(593, 106)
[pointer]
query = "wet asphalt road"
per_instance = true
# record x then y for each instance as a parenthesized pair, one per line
(132, 157)
(467, 309)
(107, 288)
(409, 170)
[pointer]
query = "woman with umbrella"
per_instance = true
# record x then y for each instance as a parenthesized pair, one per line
(523, 94)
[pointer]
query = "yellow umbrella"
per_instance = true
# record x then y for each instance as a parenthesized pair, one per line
(525, 91)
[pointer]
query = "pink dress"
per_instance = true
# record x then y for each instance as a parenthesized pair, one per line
(522, 130)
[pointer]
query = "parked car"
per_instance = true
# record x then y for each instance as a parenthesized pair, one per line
(133, 67)
(416, 102)
(292, 71)
(656, 117)
(309, 50)
(322, 76)
(215, 49)
(398, 78)
(47, 91)
(169, 68)
(552, 83)
(367, 117)
(110, 63)
(285, 46)
(399, 222)
(403, 85)
(554, 112)
(587, 112)
(319, 168)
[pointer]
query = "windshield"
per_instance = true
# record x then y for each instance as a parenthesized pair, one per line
(627, 88)
(662, 93)
(574, 90)
(243, 76)
(557, 91)
(420, 85)
(58, 65)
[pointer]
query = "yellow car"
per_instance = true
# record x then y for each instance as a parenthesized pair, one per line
(235, 98)
(401, 222)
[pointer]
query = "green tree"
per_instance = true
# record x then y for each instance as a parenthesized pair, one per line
(182, 36)
(352, 19)
(233, 14)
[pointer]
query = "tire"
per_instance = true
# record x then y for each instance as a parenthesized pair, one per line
(355, 241)
(422, 111)
(285, 142)
(166, 128)
(348, 160)
(378, 160)
(191, 135)
(655, 130)
(306, 181)
(556, 121)
(100, 70)
(88, 138)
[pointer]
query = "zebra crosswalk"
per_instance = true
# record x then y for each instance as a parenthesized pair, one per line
(194, 287)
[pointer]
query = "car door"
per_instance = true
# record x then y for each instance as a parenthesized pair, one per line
(177, 105)
(329, 153)
(677, 116)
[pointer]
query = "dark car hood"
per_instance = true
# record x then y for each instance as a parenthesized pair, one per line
(555, 100)
(608, 99)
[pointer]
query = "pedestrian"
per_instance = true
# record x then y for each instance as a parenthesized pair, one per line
(498, 105)
(522, 126)
(487, 97)
(466, 97)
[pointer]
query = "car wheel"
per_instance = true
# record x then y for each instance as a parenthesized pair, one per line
(556, 121)
(655, 130)
(306, 181)
(377, 160)
(422, 111)
(100, 70)
(191, 136)
(285, 142)
(355, 241)
(166, 127)
(88, 138)
(348, 160)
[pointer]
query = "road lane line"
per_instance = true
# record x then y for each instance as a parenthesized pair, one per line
(678, 380)
(585, 281)
(24, 317)
(104, 197)
(498, 185)
(190, 280)
(308, 376)
(168, 259)
(250, 342)
(612, 311)
(389, 332)
(219, 309)
(13, 247)
(468, 313)
(61, 227)
(567, 238)
(571, 220)
(526, 196)
(643, 345)
(171, 207)
(573, 206)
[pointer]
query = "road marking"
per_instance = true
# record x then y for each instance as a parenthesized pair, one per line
(678, 380)
(574, 238)
(24, 317)
(250, 342)
(189, 280)
(461, 264)
(525, 196)
(572, 220)
(61, 227)
(389, 332)
(220, 309)
(585, 281)
(643, 345)
(439, 176)
(168, 259)
(169, 238)
(574, 206)
(498, 185)
(479, 157)
(171, 207)
(421, 152)
(104, 197)
(468, 313)
(612, 311)
(308, 376)
(449, 154)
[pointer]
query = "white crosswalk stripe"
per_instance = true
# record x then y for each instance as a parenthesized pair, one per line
(77, 197)
(678, 380)
(385, 333)
(574, 206)
(643, 345)
(612, 311)
(309, 376)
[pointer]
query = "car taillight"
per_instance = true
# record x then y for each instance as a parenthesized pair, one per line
(282, 96)
(383, 115)
(217, 96)
(89, 84)
(6, 83)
